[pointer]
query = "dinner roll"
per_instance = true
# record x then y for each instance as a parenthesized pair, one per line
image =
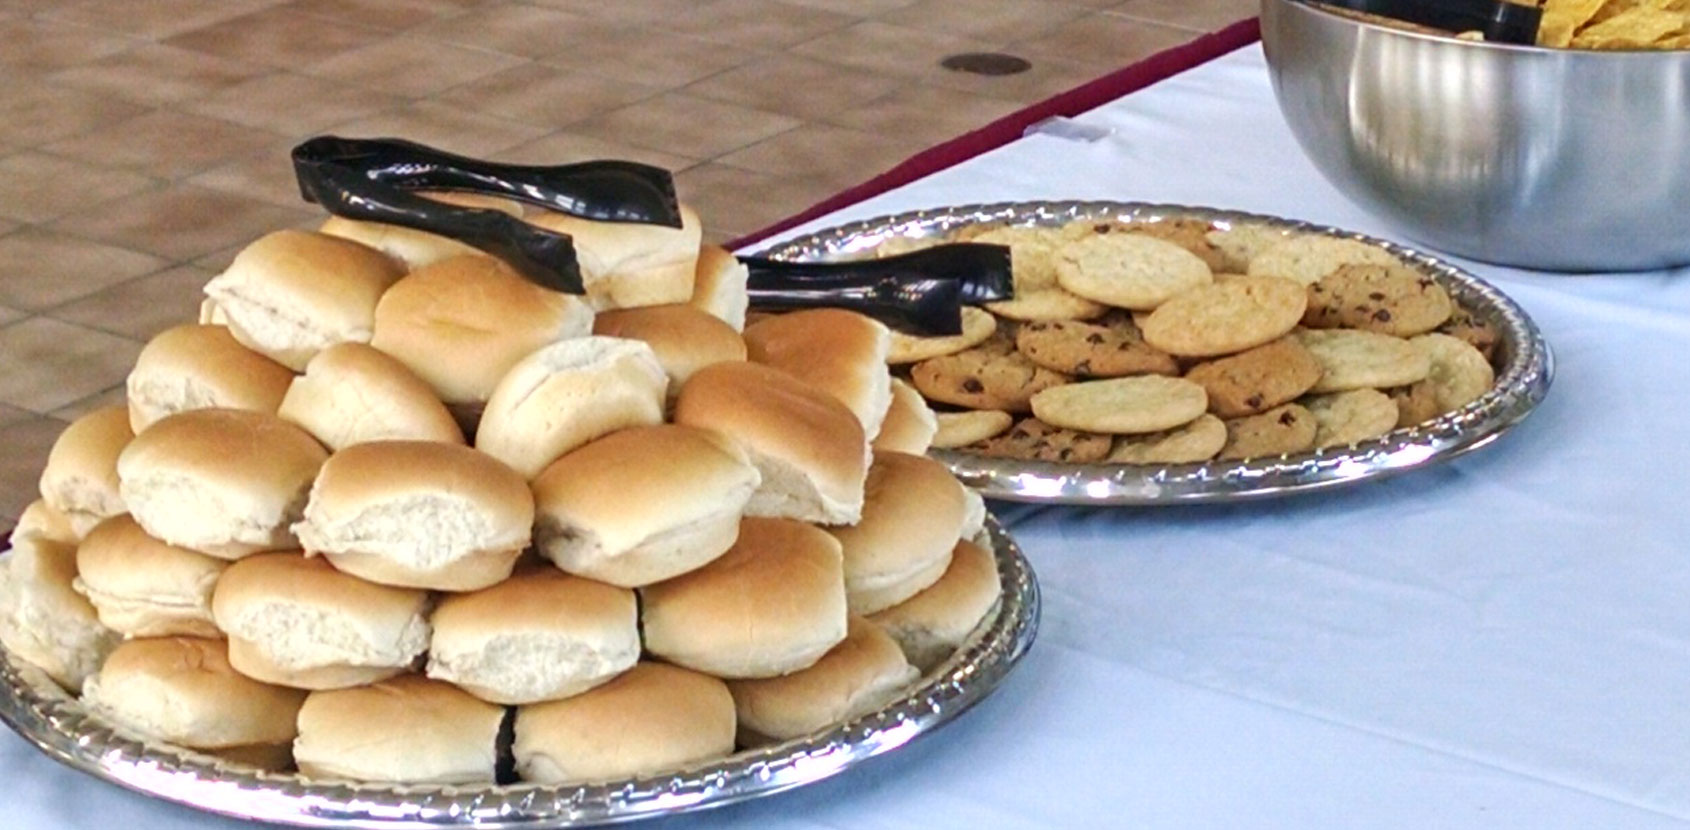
(808, 447)
(296, 621)
(840, 352)
(411, 247)
(912, 516)
(974, 518)
(221, 481)
(40, 521)
(43, 620)
(652, 718)
(352, 393)
(201, 367)
(418, 514)
(80, 479)
(567, 394)
(718, 286)
(294, 293)
(143, 587)
(407, 730)
(773, 604)
(460, 324)
(932, 624)
(858, 676)
(628, 264)
(910, 423)
(684, 338)
(540, 635)
(182, 690)
(642, 505)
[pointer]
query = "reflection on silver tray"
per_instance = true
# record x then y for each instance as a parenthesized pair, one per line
(1524, 370)
(56, 724)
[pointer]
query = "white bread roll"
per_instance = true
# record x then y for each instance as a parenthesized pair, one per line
(773, 604)
(182, 690)
(652, 718)
(540, 635)
(407, 730)
(567, 394)
(294, 293)
(718, 286)
(861, 674)
(974, 521)
(43, 620)
(298, 622)
(411, 247)
(808, 447)
(80, 479)
(40, 521)
(840, 352)
(352, 393)
(910, 423)
(221, 481)
(684, 338)
(143, 587)
(932, 624)
(912, 517)
(418, 514)
(210, 314)
(201, 367)
(629, 264)
(642, 505)
(460, 324)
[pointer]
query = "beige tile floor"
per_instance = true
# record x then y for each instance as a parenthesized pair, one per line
(143, 143)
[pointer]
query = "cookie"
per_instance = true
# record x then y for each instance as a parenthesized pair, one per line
(984, 377)
(1343, 418)
(1458, 375)
(1416, 403)
(1352, 359)
(977, 326)
(957, 429)
(1088, 350)
(1147, 403)
(1240, 243)
(1462, 325)
(1389, 299)
(896, 245)
(1189, 444)
(1227, 317)
(1033, 255)
(1282, 430)
(1129, 270)
(1257, 380)
(1035, 440)
(1307, 259)
(1047, 304)
(1190, 234)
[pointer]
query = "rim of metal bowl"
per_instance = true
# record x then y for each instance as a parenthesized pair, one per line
(1316, 8)
(54, 722)
(1522, 380)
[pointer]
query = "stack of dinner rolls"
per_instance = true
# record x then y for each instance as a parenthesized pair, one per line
(390, 512)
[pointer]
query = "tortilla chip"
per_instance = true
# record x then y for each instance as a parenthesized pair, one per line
(1615, 8)
(1563, 17)
(1637, 28)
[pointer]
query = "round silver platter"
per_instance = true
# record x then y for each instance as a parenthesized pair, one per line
(1524, 371)
(59, 726)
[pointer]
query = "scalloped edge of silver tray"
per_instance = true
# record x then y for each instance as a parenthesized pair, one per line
(57, 724)
(1522, 380)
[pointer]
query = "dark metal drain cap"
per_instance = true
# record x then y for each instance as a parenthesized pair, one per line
(986, 63)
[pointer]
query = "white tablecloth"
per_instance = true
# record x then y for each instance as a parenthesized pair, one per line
(1499, 642)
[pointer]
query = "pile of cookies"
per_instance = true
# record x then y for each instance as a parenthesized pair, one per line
(392, 513)
(1177, 341)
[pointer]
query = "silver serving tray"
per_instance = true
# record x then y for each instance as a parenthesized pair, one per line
(1523, 375)
(46, 716)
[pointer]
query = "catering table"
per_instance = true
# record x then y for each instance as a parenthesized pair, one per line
(1503, 641)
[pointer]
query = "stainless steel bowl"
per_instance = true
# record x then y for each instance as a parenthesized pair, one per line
(1554, 159)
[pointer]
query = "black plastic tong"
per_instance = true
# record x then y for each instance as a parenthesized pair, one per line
(372, 180)
(1500, 21)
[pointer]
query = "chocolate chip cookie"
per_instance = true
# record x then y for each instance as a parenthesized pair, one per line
(991, 375)
(1257, 380)
(1034, 440)
(1113, 348)
(1279, 431)
(1388, 299)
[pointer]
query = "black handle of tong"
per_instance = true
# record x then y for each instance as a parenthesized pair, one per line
(1500, 21)
(369, 179)
(921, 292)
